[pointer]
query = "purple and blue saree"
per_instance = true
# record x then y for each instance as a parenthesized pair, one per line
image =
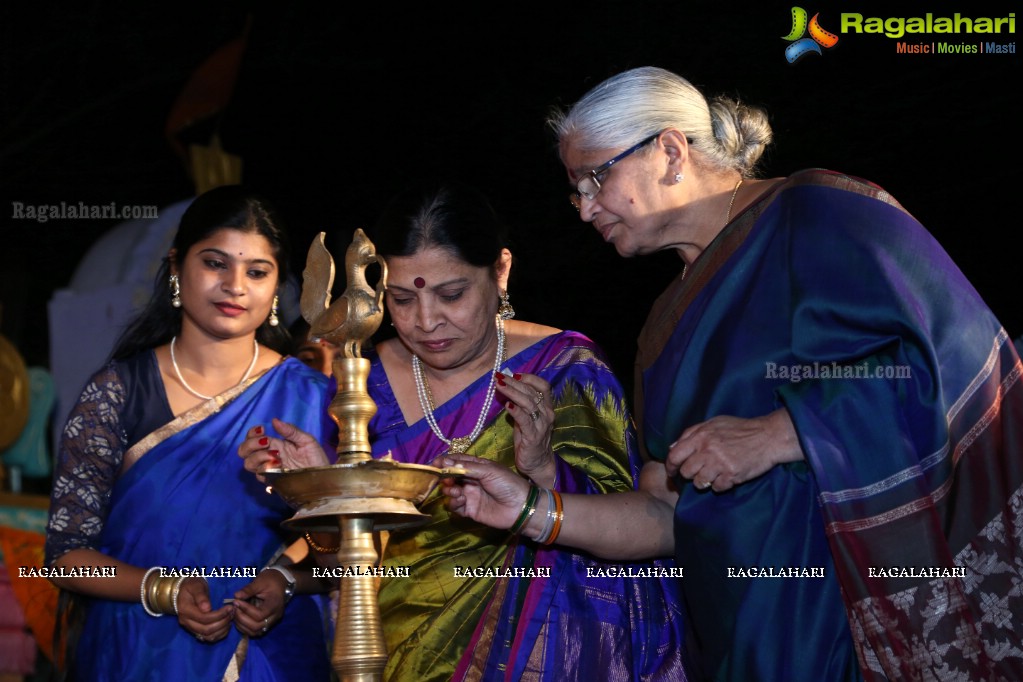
(443, 626)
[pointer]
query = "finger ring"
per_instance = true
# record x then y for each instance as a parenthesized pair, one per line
(539, 398)
(266, 621)
(534, 415)
(265, 628)
(199, 637)
(703, 486)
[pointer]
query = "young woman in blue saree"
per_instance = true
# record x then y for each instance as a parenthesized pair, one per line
(148, 481)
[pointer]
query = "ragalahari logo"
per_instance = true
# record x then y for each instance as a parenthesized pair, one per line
(802, 46)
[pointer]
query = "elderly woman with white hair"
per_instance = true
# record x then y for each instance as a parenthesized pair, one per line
(832, 412)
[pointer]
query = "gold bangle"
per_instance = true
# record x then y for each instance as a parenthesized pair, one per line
(152, 590)
(164, 595)
(320, 548)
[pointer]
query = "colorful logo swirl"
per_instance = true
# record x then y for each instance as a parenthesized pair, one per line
(802, 46)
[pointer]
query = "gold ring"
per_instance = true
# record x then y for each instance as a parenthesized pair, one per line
(539, 398)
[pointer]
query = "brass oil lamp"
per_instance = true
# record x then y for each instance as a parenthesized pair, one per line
(359, 496)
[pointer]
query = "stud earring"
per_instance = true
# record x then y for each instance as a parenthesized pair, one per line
(175, 287)
(679, 177)
(273, 314)
(505, 310)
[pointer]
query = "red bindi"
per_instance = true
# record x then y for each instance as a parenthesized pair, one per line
(419, 282)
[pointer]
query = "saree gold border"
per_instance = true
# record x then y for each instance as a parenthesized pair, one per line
(186, 419)
(233, 672)
(234, 666)
(474, 672)
(538, 655)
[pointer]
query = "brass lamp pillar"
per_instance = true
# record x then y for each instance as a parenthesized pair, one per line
(359, 495)
(360, 652)
(351, 409)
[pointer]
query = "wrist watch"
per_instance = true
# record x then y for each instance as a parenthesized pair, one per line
(289, 586)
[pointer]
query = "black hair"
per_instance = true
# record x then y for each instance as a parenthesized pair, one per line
(448, 215)
(229, 206)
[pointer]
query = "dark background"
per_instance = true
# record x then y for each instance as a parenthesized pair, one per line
(335, 109)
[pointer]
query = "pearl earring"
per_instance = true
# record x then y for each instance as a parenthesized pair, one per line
(273, 314)
(175, 287)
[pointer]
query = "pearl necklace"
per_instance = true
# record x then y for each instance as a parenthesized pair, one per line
(458, 445)
(197, 394)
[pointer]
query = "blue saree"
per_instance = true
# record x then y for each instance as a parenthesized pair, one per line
(826, 298)
(184, 500)
(569, 626)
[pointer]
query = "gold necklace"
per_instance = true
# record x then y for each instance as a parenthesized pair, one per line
(728, 217)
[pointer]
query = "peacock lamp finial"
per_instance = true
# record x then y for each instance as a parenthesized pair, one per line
(351, 319)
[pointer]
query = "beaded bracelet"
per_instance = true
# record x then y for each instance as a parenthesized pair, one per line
(177, 590)
(528, 509)
(142, 593)
(559, 517)
(320, 548)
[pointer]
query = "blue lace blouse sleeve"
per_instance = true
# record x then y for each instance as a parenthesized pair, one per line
(91, 450)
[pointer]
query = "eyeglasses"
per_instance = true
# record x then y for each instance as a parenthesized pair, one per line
(589, 184)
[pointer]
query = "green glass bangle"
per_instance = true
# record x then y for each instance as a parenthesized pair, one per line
(528, 508)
